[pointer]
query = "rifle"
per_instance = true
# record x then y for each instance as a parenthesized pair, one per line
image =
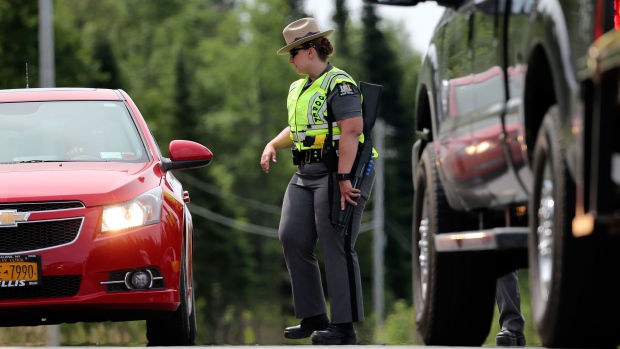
(363, 160)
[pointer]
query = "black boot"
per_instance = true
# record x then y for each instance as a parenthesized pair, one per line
(508, 338)
(335, 334)
(307, 326)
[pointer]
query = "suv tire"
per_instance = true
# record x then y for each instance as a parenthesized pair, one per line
(453, 293)
(572, 280)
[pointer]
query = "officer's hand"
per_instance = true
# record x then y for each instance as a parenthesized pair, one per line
(268, 154)
(347, 193)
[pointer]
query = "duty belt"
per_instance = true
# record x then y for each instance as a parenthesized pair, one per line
(309, 140)
(309, 156)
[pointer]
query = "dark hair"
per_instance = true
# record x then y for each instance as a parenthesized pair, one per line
(323, 47)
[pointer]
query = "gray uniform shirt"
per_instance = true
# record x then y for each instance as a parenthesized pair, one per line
(344, 101)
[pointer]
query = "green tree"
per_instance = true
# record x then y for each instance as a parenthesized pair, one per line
(341, 19)
(19, 43)
(241, 85)
(295, 11)
(185, 116)
(382, 66)
(109, 76)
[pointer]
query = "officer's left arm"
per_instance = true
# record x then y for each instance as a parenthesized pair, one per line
(345, 104)
(350, 131)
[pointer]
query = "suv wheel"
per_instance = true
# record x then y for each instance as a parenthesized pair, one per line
(571, 279)
(448, 287)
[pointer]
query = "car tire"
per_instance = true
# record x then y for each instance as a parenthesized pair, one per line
(193, 326)
(572, 280)
(179, 329)
(453, 292)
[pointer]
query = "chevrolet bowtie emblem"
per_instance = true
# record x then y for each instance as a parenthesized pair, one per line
(11, 218)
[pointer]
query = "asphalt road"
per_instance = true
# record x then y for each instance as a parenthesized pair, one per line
(278, 346)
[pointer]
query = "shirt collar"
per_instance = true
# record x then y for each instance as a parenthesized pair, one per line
(328, 68)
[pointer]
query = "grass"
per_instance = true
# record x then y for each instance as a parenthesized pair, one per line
(398, 329)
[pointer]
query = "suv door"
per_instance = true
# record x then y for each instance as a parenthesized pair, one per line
(493, 135)
(453, 132)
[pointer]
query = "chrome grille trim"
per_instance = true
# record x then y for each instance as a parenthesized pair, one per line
(45, 206)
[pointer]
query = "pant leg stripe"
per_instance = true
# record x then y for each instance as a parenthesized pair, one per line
(351, 272)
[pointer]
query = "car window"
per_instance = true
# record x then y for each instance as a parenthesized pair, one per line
(69, 131)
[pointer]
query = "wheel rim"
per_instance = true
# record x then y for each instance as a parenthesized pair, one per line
(544, 232)
(423, 245)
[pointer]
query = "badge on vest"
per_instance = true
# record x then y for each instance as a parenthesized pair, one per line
(345, 89)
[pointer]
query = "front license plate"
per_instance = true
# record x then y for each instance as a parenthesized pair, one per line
(20, 271)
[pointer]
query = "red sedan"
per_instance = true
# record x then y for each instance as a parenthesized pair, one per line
(93, 224)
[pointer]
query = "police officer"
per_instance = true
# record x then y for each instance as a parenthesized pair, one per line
(324, 93)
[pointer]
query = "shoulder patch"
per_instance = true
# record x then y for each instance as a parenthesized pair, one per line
(345, 89)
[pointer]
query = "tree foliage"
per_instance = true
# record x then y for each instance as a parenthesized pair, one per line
(383, 66)
(19, 43)
(206, 70)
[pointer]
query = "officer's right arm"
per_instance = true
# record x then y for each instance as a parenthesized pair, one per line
(281, 141)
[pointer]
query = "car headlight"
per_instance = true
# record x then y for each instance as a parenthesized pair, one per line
(144, 209)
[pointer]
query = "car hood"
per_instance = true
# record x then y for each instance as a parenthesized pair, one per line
(92, 183)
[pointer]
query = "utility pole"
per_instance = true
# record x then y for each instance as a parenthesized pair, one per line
(378, 222)
(47, 78)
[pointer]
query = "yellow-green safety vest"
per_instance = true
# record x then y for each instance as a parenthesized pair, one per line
(307, 111)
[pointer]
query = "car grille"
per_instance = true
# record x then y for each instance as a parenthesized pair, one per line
(30, 236)
(50, 287)
(41, 206)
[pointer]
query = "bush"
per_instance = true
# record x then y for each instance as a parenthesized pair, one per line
(399, 327)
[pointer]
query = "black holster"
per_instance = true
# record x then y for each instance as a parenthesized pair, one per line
(330, 154)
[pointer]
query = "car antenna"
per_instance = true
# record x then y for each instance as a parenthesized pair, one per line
(26, 75)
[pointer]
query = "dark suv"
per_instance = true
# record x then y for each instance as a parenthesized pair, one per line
(517, 164)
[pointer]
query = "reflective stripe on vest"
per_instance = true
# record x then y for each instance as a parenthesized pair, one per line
(307, 111)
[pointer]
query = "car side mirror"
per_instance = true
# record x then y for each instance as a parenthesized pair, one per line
(186, 154)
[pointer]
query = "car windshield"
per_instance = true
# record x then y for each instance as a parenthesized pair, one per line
(68, 131)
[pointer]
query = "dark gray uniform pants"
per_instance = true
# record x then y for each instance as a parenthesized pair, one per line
(305, 218)
(509, 303)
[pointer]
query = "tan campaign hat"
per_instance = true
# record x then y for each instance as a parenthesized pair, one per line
(301, 31)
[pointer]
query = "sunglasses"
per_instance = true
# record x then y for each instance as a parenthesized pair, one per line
(294, 52)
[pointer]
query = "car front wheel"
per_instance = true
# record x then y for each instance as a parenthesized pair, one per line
(178, 329)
